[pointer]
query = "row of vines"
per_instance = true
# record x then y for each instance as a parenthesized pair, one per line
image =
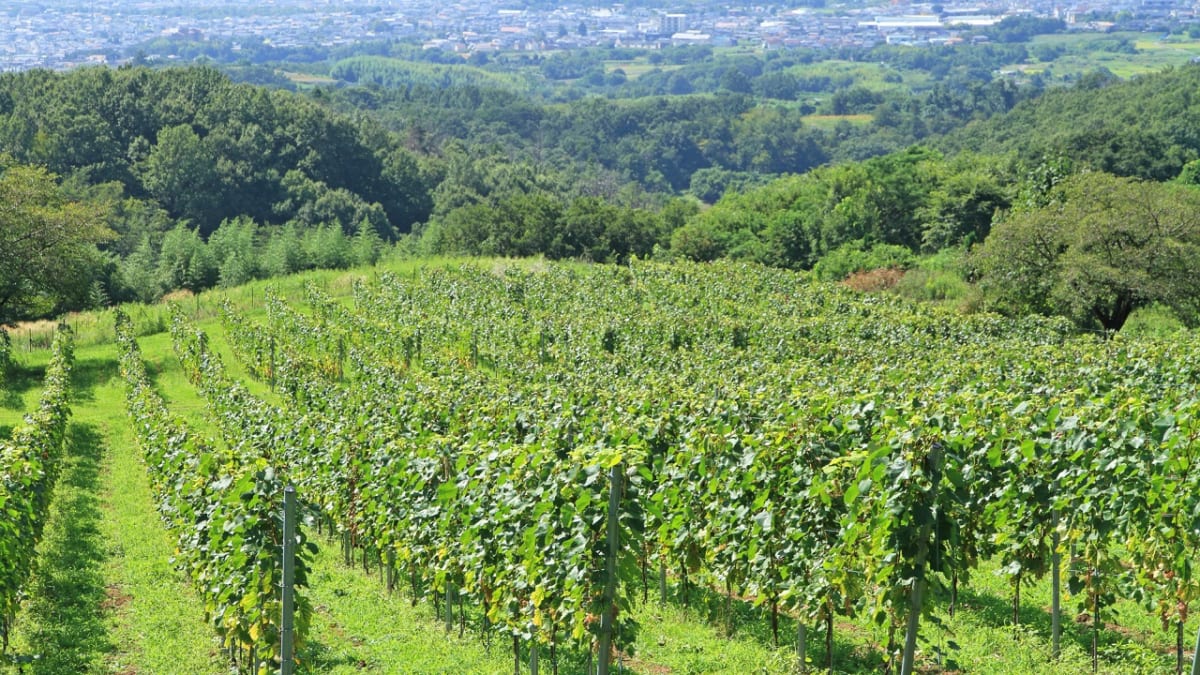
(29, 468)
(549, 445)
(223, 503)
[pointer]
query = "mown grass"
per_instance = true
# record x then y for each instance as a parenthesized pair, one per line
(637, 68)
(63, 628)
(309, 79)
(829, 122)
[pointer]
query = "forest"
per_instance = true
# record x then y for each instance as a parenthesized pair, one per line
(183, 178)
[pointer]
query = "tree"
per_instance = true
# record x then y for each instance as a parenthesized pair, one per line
(180, 173)
(736, 81)
(1101, 247)
(185, 261)
(367, 245)
(47, 245)
(283, 253)
(138, 274)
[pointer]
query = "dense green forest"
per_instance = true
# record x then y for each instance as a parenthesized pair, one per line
(1147, 126)
(183, 178)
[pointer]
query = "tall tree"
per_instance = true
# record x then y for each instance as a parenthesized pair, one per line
(181, 174)
(1102, 247)
(47, 245)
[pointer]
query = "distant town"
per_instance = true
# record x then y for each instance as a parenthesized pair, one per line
(67, 34)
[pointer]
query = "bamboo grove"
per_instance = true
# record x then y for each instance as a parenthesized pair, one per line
(550, 445)
(30, 462)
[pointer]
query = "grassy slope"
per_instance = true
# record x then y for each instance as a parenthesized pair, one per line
(107, 599)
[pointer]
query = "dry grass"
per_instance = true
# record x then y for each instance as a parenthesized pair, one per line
(874, 281)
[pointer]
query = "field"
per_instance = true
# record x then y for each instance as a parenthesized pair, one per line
(309, 79)
(500, 460)
(830, 122)
(1125, 54)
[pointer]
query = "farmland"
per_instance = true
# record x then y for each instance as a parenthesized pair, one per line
(492, 456)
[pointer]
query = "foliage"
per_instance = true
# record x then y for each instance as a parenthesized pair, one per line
(1102, 247)
(197, 145)
(47, 252)
(1132, 128)
(224, 507)
(916, 200)
(851, 257)
(523, 224)
(1153, 321)
(401, 73)
(29, 468)
(168, 159)
(1017, 29)
(821, 494)
(6, 361)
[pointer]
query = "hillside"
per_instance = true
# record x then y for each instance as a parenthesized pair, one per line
(462, 424)
(1147, 126)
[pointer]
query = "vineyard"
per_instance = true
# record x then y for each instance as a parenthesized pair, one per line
(29, 468)
(547, 456)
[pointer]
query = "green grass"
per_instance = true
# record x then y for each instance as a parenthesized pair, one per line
(637, 68)
(1083, 53)
(105, 597)
(308, 79)
(829, 122)
(21, 390)
(359, 627)
(64, 627)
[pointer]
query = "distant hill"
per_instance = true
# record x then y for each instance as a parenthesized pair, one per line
(1147, 127)
(206, 149)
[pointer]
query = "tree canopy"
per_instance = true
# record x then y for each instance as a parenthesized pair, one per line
(47, 244)
(1101, 247)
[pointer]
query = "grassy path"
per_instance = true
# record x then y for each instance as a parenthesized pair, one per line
(105, 597)
(61, 629)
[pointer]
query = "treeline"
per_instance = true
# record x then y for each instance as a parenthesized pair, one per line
(199, 148)
(878, 213)
(238, 251)
(1148, 127)
(194, 181)
(798, 74)
(392, 73)
(663, 143)
(917, 201)
(185, 179)
(726, 113)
